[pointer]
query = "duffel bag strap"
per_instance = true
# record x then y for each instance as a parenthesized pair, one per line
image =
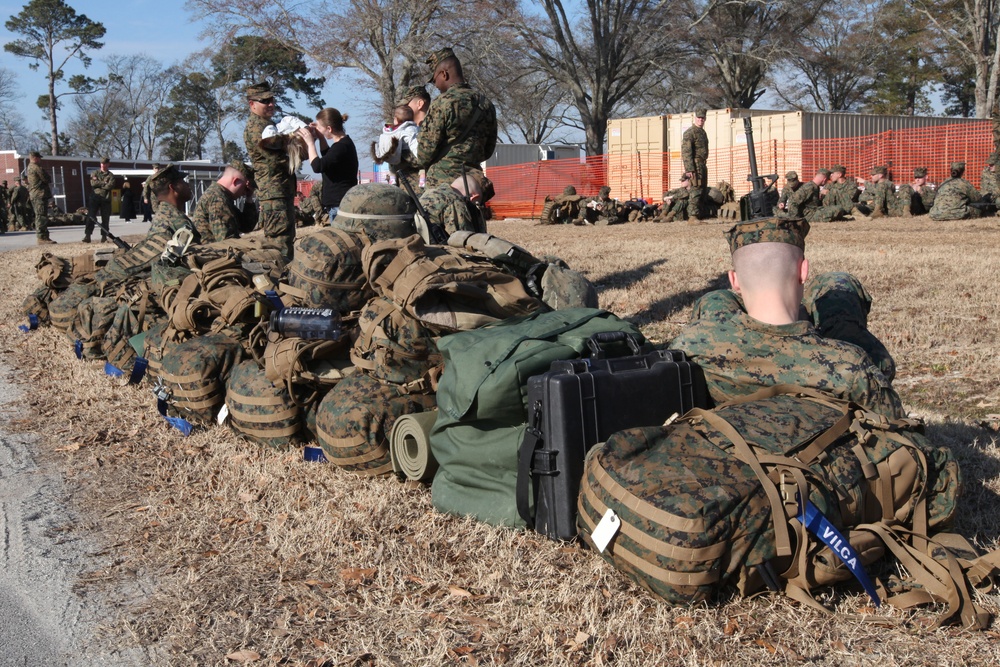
(533, 439)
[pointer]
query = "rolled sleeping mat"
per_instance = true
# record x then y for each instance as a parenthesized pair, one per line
(410, 446)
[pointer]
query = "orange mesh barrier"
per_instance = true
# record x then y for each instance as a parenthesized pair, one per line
(521, 189)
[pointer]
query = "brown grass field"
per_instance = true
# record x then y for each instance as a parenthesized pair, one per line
(217, 552)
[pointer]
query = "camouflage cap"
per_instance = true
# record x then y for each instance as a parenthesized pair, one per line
(410, 93)
(569, 191)
(380, 210)
(880, 169)
(838, 167)
(825, 172)
(604, 191)
(700, 113)
(259, 91)
(35, 154)
(920, 172)
(958, 166)
(993, 158)
(685, 177)
(770, 230)
(168, 174)
(435, 59)
(243, 168)
(792, 176)
(105, 160)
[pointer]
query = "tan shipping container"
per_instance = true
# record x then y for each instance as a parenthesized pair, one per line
(637, 149)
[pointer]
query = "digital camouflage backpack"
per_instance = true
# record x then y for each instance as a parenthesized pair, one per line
(326, 271)
(787, 488)
(194, 375)
(261, 410)
(395, 348)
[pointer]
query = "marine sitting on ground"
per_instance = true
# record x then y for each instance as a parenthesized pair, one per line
(754, 335)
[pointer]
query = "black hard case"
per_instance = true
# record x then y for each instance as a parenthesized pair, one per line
(580, 403)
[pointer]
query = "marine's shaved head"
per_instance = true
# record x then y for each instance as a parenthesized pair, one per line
(769, 277)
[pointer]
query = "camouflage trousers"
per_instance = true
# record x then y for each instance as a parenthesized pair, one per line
(277, 219)
(355, 418)
(826, 214)
(40, 206)
(836, 303)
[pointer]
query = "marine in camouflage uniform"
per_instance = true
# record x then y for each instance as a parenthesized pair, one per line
(460, 129)
(954, 197)
(694, 152)
(879, 196)
(740, 354)
(148, 196)
(565, 208)
(602, 209)
(102, 182)
(989, 184)
(4, 200)
(447, 207)
(840, 191)
(216, 215)
(805, 202)
(792, 183)
(917, 198)
(675, 202)
(40, 194)
(311, 209)
(275, 185)
(20, 212)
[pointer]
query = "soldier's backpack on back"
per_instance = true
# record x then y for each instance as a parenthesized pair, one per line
(482, 415)
(787, 488)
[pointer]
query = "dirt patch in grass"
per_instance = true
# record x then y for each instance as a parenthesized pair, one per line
(225, 553)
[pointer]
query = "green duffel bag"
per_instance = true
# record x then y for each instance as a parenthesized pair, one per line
(481, 398)
(355, 418)
(64, 307)
(260, 410)
(95, 316)
(713, 503)
(194, 375)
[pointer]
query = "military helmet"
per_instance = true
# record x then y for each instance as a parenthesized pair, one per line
(380, 210)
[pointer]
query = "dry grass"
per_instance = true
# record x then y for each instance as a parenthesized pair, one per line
(213, 547)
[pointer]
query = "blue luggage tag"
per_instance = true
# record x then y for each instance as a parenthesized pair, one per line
(313, 454)
(820, 526)
(182, 425)
(31, 325)
(78, 349)
(112, 371)
(138, 370)
(275, 300)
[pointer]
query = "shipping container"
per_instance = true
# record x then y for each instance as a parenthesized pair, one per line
(508, 154)
(637, 150)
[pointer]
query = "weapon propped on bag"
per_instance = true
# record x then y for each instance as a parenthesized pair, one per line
(107, 232)
(761, 201)
(431, 232)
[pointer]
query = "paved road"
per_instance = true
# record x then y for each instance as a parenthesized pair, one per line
(69, 234)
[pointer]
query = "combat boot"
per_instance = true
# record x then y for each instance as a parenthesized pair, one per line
(45, 242)
(86, 239)
(104, 238)
(859, 214)
(669, 217)
(906, 212)
(877, 213)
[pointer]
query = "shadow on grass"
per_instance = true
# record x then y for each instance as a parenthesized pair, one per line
(976, 449)
(668, 306)
(629, 277)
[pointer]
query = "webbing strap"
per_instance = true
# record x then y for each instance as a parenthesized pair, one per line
(645, 509)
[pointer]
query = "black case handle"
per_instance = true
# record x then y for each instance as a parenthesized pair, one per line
(597, 342)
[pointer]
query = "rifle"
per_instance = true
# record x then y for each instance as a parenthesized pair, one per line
(436, 234)
(761, 200)
(107, 232)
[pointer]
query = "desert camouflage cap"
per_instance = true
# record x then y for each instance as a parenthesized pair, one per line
(920, 172)
(700, 113)
(435, 59)
(770, 230)
(569, 191)
(411, 92)
(792, 176)
(168, 174)
(380, 210)
(958, 166)
(993, 158)
(880, 169)
(838, 167)
(259, 91)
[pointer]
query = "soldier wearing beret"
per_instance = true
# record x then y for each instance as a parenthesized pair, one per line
(275, 184)
(40, 193)
(753, 336)
(805, 201)
(694, 152)
(955, 197)
(102, 182)
(460, 130)
(216, 215)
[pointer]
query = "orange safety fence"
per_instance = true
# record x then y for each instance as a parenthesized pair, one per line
(521, 189)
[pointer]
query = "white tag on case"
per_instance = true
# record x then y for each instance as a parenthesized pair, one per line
(606, 530)
(223, 413)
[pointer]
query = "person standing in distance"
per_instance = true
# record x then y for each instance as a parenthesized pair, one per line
(275, 185)
(102, 182)
(40, 192)
(694, 152)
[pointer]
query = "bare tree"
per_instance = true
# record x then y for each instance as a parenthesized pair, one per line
(972, 29)
(742, 38)
(832, 67)
(601, 56)
(13, 133)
